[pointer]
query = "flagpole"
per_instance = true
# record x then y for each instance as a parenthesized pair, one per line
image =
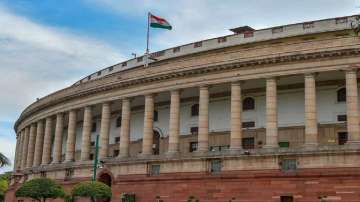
(147, 42)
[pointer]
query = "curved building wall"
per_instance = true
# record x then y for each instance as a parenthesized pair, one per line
(300, 132)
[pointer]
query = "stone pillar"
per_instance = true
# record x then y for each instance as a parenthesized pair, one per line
(203, 136)
(59, 128)
(105, 130)
(25, 148)
(19, 150)
(46, 155)
(31, 147)
(174, 124)
(271, 114)
(311, 129)
(148, 125)
(71, 137)
(352, 106)
(86, 134)
(125, 128)
(236, 123)
(39, 143)
(16, 160)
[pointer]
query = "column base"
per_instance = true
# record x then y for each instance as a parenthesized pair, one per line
(69, 161)
(270, 148)
(310, 146)
(353, 144)
(172, 154)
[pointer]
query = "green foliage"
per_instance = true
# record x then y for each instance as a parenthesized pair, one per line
(68, 198)
(4, 161)
(232, 199)
(4, 183)
(193, 199)
(40, 189)
(91, 189)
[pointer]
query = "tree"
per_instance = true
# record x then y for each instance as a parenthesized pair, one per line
(41, 189)
(92, 189)
(4, 161)
(4, 183)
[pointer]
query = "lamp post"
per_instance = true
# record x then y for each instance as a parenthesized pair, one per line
(96, 157)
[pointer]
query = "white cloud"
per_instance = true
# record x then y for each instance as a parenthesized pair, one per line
(36, 60)
(7, 147)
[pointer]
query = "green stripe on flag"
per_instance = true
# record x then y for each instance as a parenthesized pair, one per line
(157, 25)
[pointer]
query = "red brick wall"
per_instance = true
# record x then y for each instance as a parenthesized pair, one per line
(250, 186)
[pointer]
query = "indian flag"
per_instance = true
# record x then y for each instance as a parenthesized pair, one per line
(158, 22)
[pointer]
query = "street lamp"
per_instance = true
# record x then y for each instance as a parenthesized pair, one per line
(96, 157)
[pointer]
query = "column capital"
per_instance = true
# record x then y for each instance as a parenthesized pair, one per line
(311, 74)
(268, 78)
(351, 68)
(149, 95)
(204, 87)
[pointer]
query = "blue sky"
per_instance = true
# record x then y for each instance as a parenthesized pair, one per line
(46, 45)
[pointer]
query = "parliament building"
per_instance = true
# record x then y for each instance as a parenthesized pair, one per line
(268, 115)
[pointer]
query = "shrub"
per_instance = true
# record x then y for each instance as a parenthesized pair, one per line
(91, 189)
(40, 189)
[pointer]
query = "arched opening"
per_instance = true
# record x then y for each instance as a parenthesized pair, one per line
(195, 110)
(341, 95)
(105, 178)
(156, 142)
(248, 103)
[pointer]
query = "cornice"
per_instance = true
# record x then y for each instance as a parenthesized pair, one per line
(87, 88)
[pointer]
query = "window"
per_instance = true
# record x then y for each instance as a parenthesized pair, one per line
(139, 59)
(286, 199)
(248, 34)
(195, 110)
(98, 73)
(124, 64)
(341, 95)
(342, 118)
(221, 39)
(154, 170)
(111, 68)
(198, 44)
(117, 139)
(92, 143)
(248, 124)
(42, 174)
(277, 30)
(116, 153)
(91, 157)
(193, 146)
(342, 138)
(308, 25)
(215, 166)
(341, 20)
(219, 148)
(118, 122)
(248, 103)
(176, 49)
(284, 144)
(69, 172)
(248, 143)
(93, 127)
(156, 116)
(288, 165)
(194, 130)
